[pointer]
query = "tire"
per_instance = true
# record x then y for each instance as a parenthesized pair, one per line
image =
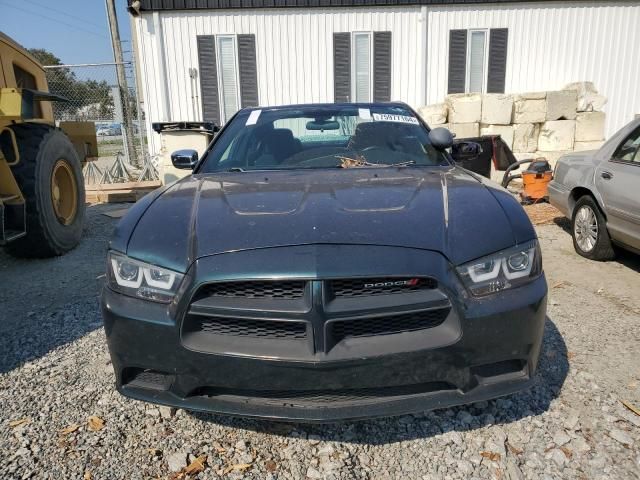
(589, 231)
(44, 150)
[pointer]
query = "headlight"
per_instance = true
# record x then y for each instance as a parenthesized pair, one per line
(507, 269)
(139, 279)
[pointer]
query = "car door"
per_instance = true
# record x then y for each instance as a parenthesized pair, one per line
(618, 181)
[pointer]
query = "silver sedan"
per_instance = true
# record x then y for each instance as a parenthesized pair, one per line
(600, 192)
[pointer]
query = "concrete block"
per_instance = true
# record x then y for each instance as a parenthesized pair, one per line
(434, 114)
(557, 136)
(497, 109)
(505, 131)
(562, 105)
(590, 126)
(525, 137)
(465, 130)
(464, 107)
(530, 107)
(584, 146)
(589, 100)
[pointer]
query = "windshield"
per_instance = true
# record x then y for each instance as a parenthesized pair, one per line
(356, 136)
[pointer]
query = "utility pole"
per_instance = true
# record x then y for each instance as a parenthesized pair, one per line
(123, 107)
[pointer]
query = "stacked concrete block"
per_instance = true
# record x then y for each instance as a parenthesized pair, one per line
(496, 109)
(525, 137)
(464, 108)
(535, 124)
(562, 105)
(585, 146)
(530, 108)
(434, 114)
(505, 132)
(590, 126)
(464, 130)
(557, 135)
(589, 100)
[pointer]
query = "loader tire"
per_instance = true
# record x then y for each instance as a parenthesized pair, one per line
(50, 177)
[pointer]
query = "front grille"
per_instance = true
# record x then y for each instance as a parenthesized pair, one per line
(254, 289)
(325, 396)
(387, 325)
(363, 287)
(241, 327)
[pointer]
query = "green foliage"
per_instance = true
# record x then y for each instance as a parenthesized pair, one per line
(88, 99)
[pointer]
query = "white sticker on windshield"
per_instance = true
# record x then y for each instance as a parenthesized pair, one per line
(364, 113)
(389, 117)
(253, 117)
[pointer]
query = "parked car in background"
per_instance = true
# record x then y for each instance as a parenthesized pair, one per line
(324, 262)
(600, 192)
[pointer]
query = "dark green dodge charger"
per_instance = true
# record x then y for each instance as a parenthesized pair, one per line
(324, 262)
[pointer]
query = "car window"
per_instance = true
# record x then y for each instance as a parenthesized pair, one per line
(629, 150)
(322, 137)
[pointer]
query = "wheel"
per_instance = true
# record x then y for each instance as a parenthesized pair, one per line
(589, 230)
(50, 177)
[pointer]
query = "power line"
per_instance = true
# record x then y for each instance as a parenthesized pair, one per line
(55, 20)
(66, 14)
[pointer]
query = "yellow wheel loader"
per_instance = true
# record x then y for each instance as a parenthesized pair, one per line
(42, 198)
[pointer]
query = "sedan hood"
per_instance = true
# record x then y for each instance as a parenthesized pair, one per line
(439, 209)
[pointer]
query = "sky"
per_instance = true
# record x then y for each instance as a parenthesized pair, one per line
(76, 31)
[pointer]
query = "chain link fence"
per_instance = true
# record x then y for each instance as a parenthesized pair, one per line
(94, 96)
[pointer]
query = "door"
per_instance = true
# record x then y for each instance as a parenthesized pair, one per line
(618, 181)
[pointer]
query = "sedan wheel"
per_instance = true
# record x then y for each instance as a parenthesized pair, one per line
(589, 229)
(585, 228)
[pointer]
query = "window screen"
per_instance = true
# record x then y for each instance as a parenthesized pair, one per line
(228, 76)
(362, 67)
(476, 61)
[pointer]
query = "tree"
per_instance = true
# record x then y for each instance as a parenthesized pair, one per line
(89, 99)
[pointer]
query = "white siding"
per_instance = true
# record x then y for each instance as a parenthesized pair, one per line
(551, 45)
(294, 49)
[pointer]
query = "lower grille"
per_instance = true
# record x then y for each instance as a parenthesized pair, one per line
(323, 397)
(241, 327)
(387, 325)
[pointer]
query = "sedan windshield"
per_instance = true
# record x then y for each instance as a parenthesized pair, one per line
(353, 136)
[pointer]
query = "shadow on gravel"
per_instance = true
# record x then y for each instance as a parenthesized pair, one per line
(628, 259)
(50, 302)
(553, 368)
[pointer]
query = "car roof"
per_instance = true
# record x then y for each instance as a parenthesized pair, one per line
(321, 106)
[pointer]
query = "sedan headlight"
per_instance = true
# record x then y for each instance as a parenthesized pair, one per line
(506, 269)
(142, 280)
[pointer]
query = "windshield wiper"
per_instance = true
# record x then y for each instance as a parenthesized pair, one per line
(360, 161)
(236, 169)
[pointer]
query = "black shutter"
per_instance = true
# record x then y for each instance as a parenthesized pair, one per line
(498, 40)
(381, 66)
(457, 61)
(342, 67)
(208, 78)
(248, 71)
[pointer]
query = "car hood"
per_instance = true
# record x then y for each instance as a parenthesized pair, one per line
(443, 209)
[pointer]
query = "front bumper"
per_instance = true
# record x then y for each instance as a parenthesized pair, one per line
(486, 348)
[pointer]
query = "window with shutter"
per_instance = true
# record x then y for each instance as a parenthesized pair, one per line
(362, 67)
(342, 67)
(476, 61)
(248, 71)
(228, 74)
(208, 78)
(457, 61)
(382, 66)
(497, 71)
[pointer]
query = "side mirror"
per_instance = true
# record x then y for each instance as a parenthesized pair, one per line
(184, 159)
(441, 138)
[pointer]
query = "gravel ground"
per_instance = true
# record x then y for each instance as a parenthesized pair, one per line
(55, 376)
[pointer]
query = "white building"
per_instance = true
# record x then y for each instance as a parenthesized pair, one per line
(204, 59)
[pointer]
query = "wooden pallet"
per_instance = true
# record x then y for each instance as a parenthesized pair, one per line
(120, 192)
